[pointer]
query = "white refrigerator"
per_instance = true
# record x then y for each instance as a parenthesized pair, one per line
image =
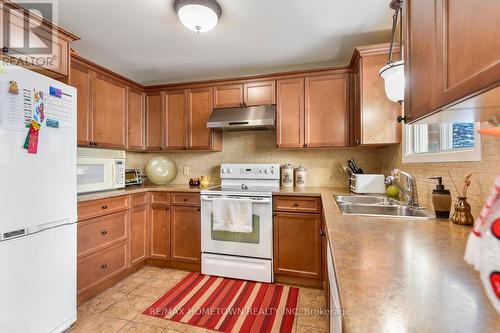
(37, 202)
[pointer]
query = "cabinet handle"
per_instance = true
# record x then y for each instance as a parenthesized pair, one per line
(198, 209)
(295, 205)
(402, 119)
(104, 232)
(184, 199)
(104, 266)
(104, 207)
(275, 214)
(322, 232)
(95, 144)
(167, 208)
(305, 145)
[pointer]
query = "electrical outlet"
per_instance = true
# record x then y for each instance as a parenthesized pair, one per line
(186, 171)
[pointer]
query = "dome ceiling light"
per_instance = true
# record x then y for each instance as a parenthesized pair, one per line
(198, 15)
(393, 72)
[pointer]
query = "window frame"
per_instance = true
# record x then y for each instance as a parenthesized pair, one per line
(462, 155)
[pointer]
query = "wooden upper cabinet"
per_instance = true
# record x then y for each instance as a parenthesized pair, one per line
(326, 111)
(185, 234)
(200, 108)
(109, 111)
(176, 124)
(290, 113)
(468, 48)
(259, 93)
(136, 119)
(228, 96)
(374, 114)
(155, 112)
(80, 78)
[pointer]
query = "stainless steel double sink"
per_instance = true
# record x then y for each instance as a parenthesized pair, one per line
(374, 205)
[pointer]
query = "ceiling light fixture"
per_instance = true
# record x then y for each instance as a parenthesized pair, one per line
(198, 15)
(393, 72)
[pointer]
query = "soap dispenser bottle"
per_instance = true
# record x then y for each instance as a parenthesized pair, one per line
(441, 199)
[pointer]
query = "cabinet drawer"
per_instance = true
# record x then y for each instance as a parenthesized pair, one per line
(297, 204)
(186, 199)
(100, 266)
(95, 208)
(98, 233)
(139, 199)
(160, 198)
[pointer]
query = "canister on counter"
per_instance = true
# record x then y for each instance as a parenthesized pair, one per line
(300, 176)
(287, 175)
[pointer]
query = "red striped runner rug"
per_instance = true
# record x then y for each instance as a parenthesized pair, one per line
(228, 305)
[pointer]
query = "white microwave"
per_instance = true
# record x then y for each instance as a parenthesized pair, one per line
(100, 170)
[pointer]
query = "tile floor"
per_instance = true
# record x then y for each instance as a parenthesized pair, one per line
(119, 308)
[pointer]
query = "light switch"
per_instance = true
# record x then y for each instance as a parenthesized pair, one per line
(186, 171)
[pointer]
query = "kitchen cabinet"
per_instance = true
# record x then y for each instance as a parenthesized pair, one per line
(451, 53)
(228, 96)
(159, 227)
(374, 115)
(80, 78)
(185, 236)
(109, 111)
(138, 234)
(327, 110)
(136, 119)
(155, 112)
(290, 113)
(16, 19)
(176, 116)
(200, 107)
(294, 256)
(246, 94)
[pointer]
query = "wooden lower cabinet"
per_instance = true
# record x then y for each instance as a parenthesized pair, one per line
(159, 231)
(185, 234)
(297, 256)
(138, 235)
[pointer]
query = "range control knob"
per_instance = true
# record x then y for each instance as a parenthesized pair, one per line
(261, 171)
(229, 171)
(273, 171)
(266, 171)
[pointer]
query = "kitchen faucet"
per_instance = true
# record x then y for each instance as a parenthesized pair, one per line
(409, 191)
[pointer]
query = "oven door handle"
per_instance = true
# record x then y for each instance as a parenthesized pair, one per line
(257, 201)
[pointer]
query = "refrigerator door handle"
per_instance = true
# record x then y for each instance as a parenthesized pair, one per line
(13, 234)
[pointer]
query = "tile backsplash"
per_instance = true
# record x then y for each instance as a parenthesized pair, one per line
(323, 165)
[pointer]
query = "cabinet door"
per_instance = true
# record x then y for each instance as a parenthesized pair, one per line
(421, 70)
(297, 256)
(109, 111)
(136, 119)
(176, 129)
(377, 114)
(290, 113)
(259, 93)
(159, 232)
(155, 112)
(185, 240)
(138, 235)
(80, 78)
(228, 96)
(327, 111)
(468, 47)
(200, 108)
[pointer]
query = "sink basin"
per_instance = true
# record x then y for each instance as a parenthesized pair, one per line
(379, 206)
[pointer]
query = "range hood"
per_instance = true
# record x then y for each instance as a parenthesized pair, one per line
(247, 118)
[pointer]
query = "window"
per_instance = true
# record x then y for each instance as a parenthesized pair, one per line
(448, 142)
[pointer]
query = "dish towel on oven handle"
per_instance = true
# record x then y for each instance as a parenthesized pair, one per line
(234, 215)
(483, 246)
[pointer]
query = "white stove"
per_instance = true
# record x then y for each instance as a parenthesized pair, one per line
(247, 256)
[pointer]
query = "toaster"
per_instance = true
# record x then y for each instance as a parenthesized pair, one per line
(133, 177)
(367, 183)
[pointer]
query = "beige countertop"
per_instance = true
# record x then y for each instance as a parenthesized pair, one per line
(394, 275)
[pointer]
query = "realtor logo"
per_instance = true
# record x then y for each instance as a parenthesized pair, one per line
(22, 28)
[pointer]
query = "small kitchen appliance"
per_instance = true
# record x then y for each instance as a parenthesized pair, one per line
(100, 170)
(133, 177)
(241, 255)
(367, 183)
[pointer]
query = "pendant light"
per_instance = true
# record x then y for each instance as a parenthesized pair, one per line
(393, 72)
(198, 15)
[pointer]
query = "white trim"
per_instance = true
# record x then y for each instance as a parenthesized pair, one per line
(462, 155)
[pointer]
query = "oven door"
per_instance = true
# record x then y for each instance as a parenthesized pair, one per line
(94, 174)
(257, 244)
